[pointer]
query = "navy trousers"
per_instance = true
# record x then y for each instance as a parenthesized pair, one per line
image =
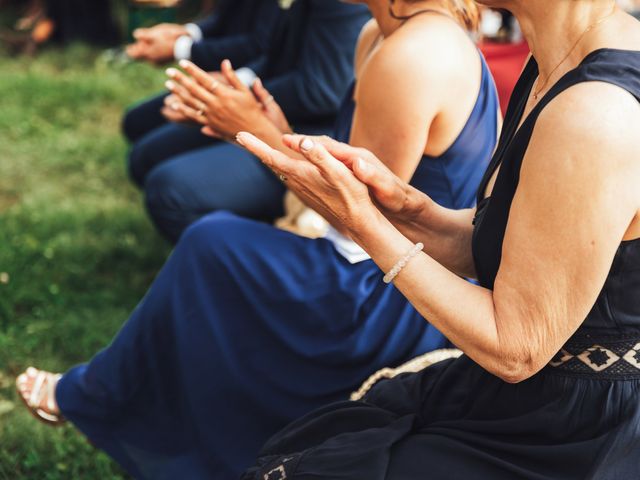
(186, 175)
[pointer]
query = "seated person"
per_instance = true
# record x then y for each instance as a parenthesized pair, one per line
(66, 21)
(239, 30)
(548, 386)
(308, 67)
(248, 326)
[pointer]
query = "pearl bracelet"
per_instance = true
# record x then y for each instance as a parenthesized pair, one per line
(397, 268)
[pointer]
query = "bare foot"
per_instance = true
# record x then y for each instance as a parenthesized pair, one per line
(37, 390)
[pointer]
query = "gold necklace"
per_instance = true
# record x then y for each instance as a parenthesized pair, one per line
(538, 91)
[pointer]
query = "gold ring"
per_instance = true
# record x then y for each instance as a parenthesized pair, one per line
(283, 178)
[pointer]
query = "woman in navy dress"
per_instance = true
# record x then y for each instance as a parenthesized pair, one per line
(549, 386)
(247, 327)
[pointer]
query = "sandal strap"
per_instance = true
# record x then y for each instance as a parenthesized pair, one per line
(36, 392)
(44, 388)
(52, 383)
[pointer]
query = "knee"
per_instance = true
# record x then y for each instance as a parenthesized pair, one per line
(131, 125)
(136, 162)
(161, 190)
(215, 233)
(168, 204)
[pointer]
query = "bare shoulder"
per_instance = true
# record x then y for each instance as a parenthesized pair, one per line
(585, 146)
(369, 33)
(366, 41)
(430, 49)
(596, 119)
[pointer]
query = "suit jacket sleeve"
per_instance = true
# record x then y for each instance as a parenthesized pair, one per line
(316, 86)
(240, 48)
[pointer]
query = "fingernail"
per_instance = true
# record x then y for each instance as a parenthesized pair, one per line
(240, 138)
(306, 145)
(170, 85)
(363, 166)
(227, 64)
(184, 63)
(171, 72)
(174, 106)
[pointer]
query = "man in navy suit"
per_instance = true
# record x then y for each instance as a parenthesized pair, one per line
(239, 30)
(308, 68)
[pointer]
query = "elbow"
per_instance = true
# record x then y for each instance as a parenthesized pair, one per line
(514, 374)
(514, 369)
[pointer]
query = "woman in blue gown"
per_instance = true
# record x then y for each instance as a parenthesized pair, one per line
(248, 327)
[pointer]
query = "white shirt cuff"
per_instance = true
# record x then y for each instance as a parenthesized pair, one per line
(194, 31)
(246, 76)
(182, 48)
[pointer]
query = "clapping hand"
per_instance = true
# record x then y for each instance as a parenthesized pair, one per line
(223, 106)
(393, 197)
(270, 107)
(324, 183)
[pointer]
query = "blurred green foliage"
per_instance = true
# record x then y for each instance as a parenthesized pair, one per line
(76, 250)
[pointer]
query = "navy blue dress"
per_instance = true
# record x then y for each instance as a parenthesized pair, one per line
(578, 419)
(248, 327)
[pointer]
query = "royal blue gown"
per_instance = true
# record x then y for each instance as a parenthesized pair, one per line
(248, 327)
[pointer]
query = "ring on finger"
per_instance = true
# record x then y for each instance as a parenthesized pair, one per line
(202, 108)
(283, 178)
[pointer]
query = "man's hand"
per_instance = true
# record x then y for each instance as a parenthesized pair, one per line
(156, 44)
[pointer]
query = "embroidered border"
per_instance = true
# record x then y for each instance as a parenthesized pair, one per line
(600, 356)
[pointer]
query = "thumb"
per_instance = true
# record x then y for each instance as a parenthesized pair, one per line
(261, 93)
(384, 187)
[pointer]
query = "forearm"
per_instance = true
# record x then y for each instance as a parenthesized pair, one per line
(445, 233)
(463, 312)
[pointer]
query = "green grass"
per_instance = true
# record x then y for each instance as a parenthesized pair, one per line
(75, 244)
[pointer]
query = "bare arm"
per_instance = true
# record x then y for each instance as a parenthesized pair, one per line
(576, 200)
(446, 233)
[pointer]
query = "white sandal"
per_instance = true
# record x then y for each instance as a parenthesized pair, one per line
(43, 388)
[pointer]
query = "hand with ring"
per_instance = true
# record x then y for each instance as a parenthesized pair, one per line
(223, 107)
(330, 186)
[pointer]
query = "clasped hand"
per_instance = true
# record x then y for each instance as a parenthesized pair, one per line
(348, 186)
(221, 103)
(155, 44)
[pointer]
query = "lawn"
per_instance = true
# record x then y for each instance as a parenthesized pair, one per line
(76, 250)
